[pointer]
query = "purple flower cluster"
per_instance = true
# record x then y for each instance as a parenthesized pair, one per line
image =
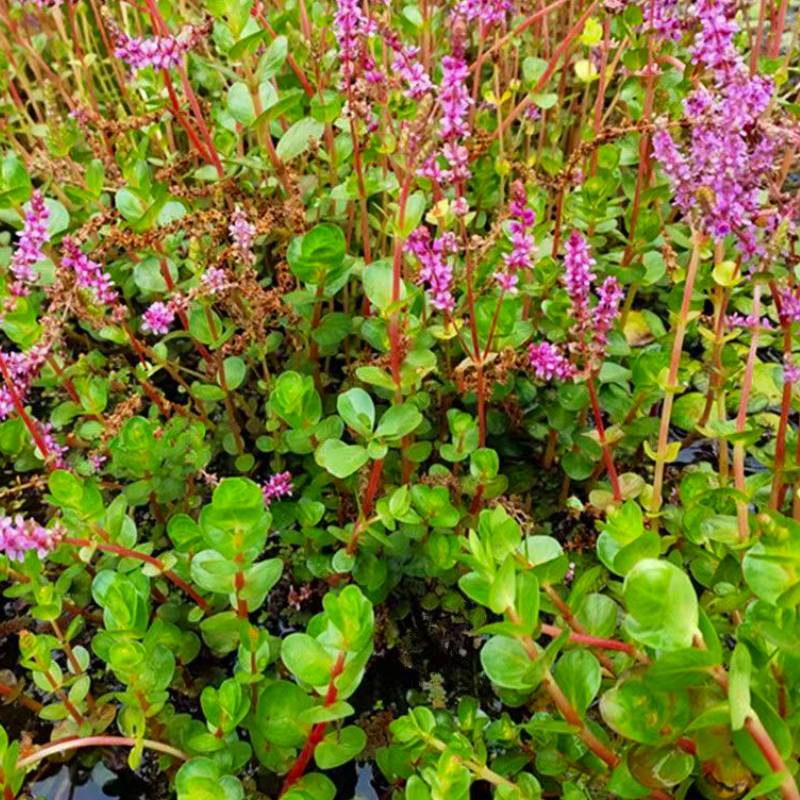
(578, 276)
(411, 71)
(666, 18)
(214, 280)
(23, 370)
(88, 274)
(242, 233)
(720, 176)
(790, 306)
(454, 97)
(523, 247)
(791, 371)
(549, 363)
(590, 327)
(55, 450)
(159, 52)
(19, 535)
(350, 26)
(488, 12)
(30, 241)
(158, 318)
(436, 270)
(279, 485)
(609, 296)
(749, 322)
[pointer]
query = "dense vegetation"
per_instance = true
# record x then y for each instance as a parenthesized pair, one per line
(407, 385)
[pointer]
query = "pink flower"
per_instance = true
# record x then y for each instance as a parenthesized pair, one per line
(609, 296)
(214, 280)
(23, 368)
(88, 274)
(278, 485)
(436, 269)
(350, 26)
(578, 276)
(791, 372)
(19, 535)
(548, 362)
(454, 97)
(159, 52)
(411, 71)
(30, 241)
(158, 318)
(242, 233)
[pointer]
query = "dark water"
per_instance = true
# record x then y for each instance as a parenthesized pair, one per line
(73, 783)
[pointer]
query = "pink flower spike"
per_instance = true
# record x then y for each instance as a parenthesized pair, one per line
(88, 274)
(158, 318)
(278, 485)
(549, 363)
(19, 535)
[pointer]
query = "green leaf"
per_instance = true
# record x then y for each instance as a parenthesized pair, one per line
(240, 102)
(297, 139)
(399, 421)
(506, 662)
(578, 675)
(357, 410)
(739, 688)
(318, 256)
(306, 659)
(662, 605)
(340, 459)
(339, 747)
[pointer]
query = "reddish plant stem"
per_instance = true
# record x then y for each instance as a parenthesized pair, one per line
(741, 418)
(562, 48)
(397, 274)
(125, 552)
(777, 491)
(293, 65)
(591, 641)
(184, 123)
(672, 377)
(317, 731)
(28, 421)
(601, 435)
(65, 745)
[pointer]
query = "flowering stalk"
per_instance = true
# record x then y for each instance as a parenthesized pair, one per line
(601, 435)
(672, 377)
(741, 418)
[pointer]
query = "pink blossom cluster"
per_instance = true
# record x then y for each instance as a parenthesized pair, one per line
(30, 241)
(277, 486)
(791, 371)
(410, 70)
(720, 175)
(55, 450)
(351, 26)
(214, 280)
(88, 274)
(590, 325)
(19, 535)
(23, 369)
(159, 52)
(790, 306)
(549, 363)
(158, 318)
(436, 270)
(488, 12)
(523, 246)
(749, 321)
(242, 233)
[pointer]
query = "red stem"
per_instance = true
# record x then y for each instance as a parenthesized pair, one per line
(601, 434)
(30, 423)
(317, 732)
(125, 552)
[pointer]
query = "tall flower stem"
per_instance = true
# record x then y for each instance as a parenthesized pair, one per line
(31, 424)
(397, 277)
(601, 435)
(672, 378)
(741, 417)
